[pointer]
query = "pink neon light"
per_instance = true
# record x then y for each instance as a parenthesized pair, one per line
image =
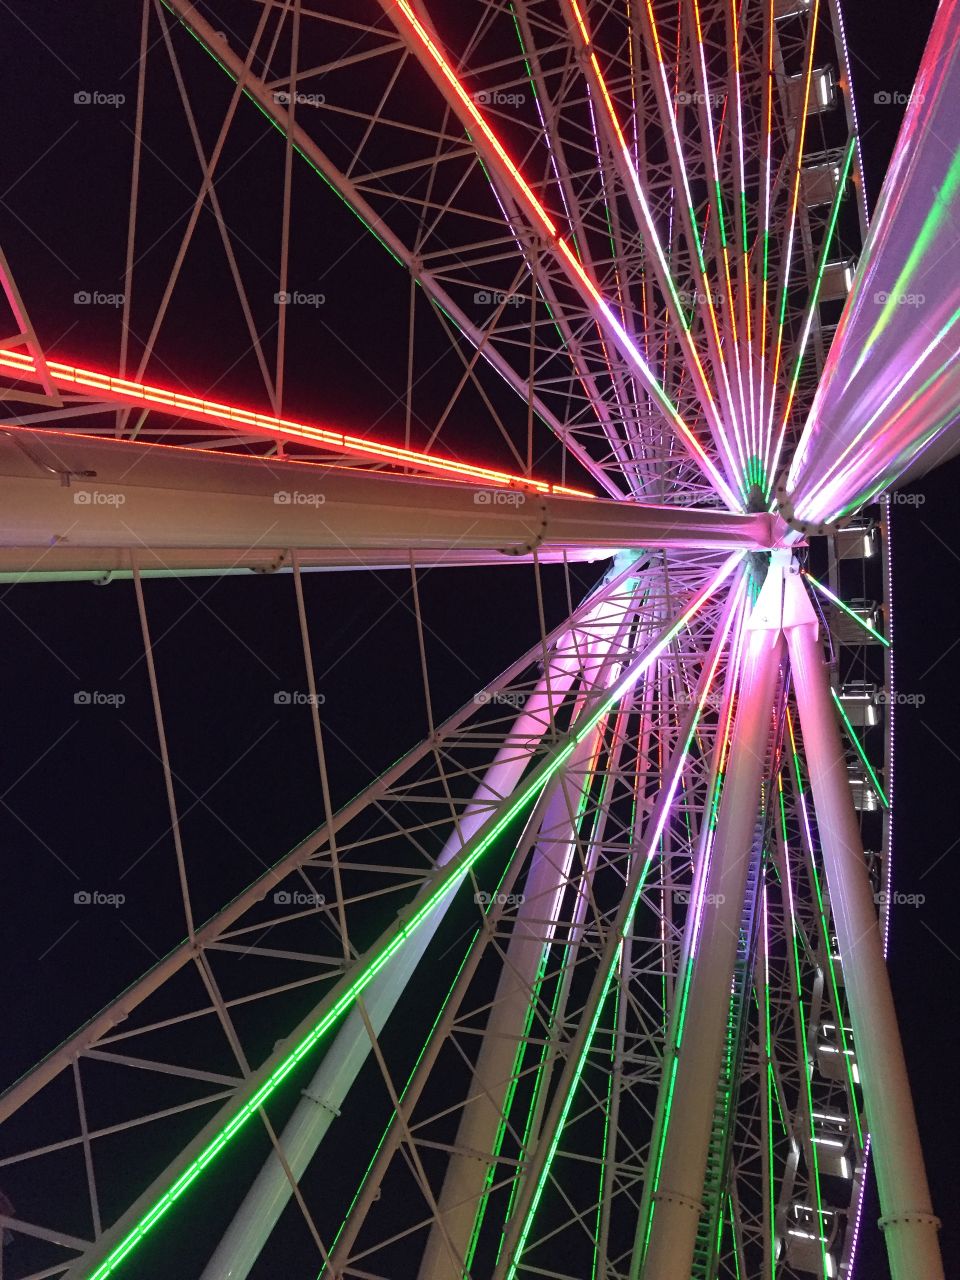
(403, 10)
(73, 377)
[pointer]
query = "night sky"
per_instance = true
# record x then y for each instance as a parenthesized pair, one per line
(82, 805)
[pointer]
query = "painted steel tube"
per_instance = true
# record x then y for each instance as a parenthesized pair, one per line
(910, 1229)
(685, 1108)
(303, 1133)
(889, 398)
(69, 491)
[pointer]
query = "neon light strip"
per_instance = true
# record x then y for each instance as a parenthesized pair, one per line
(692, 222)
(402, 10)
(832, 480)
(713, 150)
(791, 226)
(860, 751)
(770, 1193)
(733, 677)
(846, 608)
(812, 305)
(742, 218)
(651, 239)
(369, 968)
(937, 215)
(652, 843)
(75, 378)
(807, 1063)
(831, 967)
(768, 164)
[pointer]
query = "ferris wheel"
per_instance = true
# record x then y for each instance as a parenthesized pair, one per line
(590, 982)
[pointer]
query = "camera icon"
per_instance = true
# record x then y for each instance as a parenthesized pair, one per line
(82, 299)
(282, 299)
(482, 297)
(482, 98)
(82, 497)
(282, 498)
(483, 498)
(82, 898)
(282, 898)
(481, 699)
(281, 97)
(82, 98)
(82, 699)
(882, 98)
(282, 699)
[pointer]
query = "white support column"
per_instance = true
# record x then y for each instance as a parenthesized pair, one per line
(692, 1066)
(254, 1221)
(908, 1222)
(462, 1191)
(65, 491)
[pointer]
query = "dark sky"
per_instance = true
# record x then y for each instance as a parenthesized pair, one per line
(63, 193)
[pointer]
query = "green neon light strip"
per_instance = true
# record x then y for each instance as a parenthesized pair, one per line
(567, 1104)
(455, 871)
(426, 1044)
(720, 750)
(807, 1069)
(811, 305)
(825, 591)
(346, 999)
(860, 751)
(523, 1045)
(831, 967)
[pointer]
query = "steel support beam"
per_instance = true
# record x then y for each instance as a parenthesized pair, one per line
(102, 565)
(62, 491)
(685, 1107)
(254, 1221)
(474, 1154)
(266, 99)
(537, 1168)
(888, 403)
(908, 1222)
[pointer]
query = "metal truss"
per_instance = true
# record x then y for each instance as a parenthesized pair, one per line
(621, 894)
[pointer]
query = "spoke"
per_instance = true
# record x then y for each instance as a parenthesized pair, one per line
(428, 51)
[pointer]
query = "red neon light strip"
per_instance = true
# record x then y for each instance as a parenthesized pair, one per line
(795, 197)
(74, 378)
(402, 9)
